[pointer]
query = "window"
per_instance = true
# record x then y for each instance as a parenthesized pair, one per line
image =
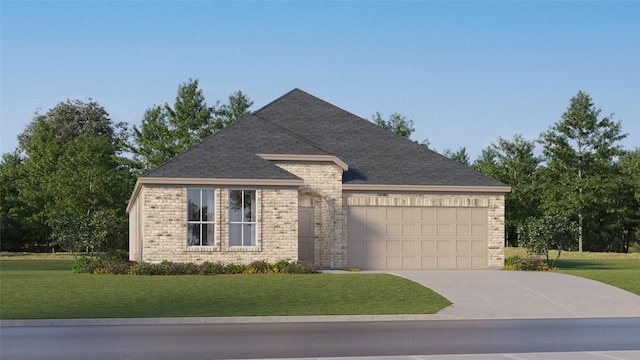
(201, 217)
(242, 218)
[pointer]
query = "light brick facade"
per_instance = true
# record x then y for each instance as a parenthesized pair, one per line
(159, 224)
(159, 227)
(323, 181)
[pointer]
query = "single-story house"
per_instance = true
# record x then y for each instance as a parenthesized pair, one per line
(301, 179)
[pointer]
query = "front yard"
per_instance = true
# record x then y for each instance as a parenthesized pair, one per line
(616, 269)
(47, 289)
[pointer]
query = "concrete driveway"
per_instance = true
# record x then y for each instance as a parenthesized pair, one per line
(495, 294)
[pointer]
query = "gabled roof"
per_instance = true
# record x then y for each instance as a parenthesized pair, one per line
(300, 124)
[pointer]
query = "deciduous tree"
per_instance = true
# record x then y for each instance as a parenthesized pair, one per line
(168, 130)
(397, 124)
(513, 162)
(579, 152)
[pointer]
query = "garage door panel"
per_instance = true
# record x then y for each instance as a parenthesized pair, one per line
(428, 246)
(442, 262)
(443, 246)
(463, 246)
(428, 214)
(409, 246)
(478, 262)
(478, 215)
(409, 262)
(375, 247)
(478, 247)
(443, 230)
(463, 230)
(463, 214)
(408, 230)
(463, 262)
(478, 231)
(428, 262)
(394, 262)
(417, 237)
(394, 246)
(410, 214)
(428, 230)
(393, 230)
(443, 214)
(393, 214)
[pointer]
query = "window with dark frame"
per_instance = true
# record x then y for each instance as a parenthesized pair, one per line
(242, 218)
(201, 217)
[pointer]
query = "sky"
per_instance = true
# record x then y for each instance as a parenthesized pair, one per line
(466, 73)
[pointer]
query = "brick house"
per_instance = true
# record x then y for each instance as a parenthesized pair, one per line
(301, 179)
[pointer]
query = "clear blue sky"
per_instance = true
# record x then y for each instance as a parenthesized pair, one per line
(465, 72)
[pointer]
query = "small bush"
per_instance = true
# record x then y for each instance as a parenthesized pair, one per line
(512, 259)
(530, 263)
(300, 268)
(208, 268)
(350, 268)
(261, 267)
(235, 269)
(85, 265)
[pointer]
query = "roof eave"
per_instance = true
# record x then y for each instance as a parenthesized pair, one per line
(427, 188)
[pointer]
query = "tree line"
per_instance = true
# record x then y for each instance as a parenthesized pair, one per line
(580, 192)
(67, 184)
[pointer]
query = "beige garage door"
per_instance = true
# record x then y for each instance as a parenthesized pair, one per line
(410, 238)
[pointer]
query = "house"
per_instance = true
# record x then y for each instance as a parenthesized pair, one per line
(301, 179)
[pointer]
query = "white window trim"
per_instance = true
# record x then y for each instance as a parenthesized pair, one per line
(255, 247)
(212, 222)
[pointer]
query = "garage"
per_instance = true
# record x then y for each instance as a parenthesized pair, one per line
(415, 238)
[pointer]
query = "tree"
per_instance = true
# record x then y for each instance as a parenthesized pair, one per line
(541, 234)
(74, 173)
(397, 124)
(15, 232)
(460, 155)
(237, 108)
(513, 163)
(579, 152)
(74, 118)
(166, 131)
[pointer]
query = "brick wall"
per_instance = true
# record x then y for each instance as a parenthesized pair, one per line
(324, 180)
(163, 227)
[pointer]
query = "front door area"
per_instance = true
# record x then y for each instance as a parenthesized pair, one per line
(306, 234)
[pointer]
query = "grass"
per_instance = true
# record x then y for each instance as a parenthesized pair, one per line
(619, 270)
(47, 289)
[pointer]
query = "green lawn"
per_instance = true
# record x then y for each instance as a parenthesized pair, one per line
(47, 289)
(621, 273)
(616, 269)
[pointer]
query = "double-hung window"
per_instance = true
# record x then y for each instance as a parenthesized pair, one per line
(242, 218)
(201, 217)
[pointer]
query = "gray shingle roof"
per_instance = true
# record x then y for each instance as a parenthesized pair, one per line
(301, 124)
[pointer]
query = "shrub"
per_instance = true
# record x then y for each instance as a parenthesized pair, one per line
(350, 268)
(511, 260)
(234, 269)
(98, 266)
(281, 265)
(144, 268)
(260, 267)
(530, 263)
(300, 268)
(208, 268)
(84, 264)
